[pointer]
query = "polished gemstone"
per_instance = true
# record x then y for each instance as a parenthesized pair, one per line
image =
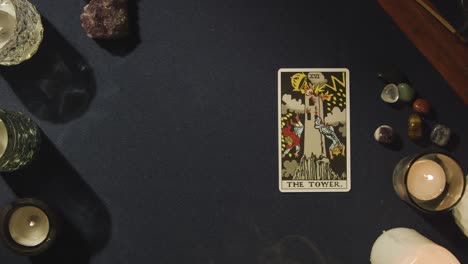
(384, 134)
(390, 93)
(440, 135)
(406, 92)
(415, 127)
(421, 106)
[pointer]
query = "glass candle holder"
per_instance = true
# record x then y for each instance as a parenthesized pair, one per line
(21, 31)
(28, 227)
(19, 140)
(431, 182)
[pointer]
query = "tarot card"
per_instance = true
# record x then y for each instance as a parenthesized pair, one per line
(314, 130)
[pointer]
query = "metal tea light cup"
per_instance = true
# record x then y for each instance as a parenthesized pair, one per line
(21, 31)
(19, 140)
(431, 182)
(28, 227)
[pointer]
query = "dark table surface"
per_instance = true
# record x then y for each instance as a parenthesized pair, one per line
(162, 148)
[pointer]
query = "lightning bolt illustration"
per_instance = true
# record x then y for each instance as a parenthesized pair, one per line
(334, 81)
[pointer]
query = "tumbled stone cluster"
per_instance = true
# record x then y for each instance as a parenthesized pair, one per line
(404, 93)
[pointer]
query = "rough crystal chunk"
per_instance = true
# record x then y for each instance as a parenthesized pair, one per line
(105, 19)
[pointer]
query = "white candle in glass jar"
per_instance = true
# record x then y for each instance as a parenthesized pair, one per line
(29, 226)
(7, 21)
(3, 138)
(406, 246)
(426, 180)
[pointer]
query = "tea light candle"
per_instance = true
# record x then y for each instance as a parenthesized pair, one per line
(3, 138)
(7, 21)
(20, 140)
(426, 180)
(27, 227)
(406, 246)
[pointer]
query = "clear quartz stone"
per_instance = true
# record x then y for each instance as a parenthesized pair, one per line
(20, 31)
(390, 93)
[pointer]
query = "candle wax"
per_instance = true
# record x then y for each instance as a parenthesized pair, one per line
(29, 226)
(7, 21)
(426, 180)
(3, 138)
(433, 254)
(407, 246)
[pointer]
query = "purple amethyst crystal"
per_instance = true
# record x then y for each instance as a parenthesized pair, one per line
(105, 19)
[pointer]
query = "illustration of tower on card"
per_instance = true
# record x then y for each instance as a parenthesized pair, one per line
(313, 106)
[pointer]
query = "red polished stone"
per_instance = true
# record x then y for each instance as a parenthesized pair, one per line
(421, 106)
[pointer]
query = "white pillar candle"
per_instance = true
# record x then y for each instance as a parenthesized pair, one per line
(7, 21)
(460, 212)
(406, 246)
(426, 180)
(3, 138)
(29, 226)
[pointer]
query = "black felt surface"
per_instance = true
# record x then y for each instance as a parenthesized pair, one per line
(174, 159)
(452, 11)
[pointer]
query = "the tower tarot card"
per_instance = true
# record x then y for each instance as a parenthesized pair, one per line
(314, 130)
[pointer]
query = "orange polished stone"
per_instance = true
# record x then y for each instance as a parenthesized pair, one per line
(421, 106)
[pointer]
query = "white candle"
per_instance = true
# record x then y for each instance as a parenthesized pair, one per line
(426, 180)
(406, 246)
(3, 138)
(460, 212)
(29, 226)
(7, 21)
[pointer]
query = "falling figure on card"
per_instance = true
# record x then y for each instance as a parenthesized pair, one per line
(336, 148)
(293, 137)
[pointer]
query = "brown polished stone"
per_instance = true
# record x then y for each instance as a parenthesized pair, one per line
(414, 127)
(421, 106)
